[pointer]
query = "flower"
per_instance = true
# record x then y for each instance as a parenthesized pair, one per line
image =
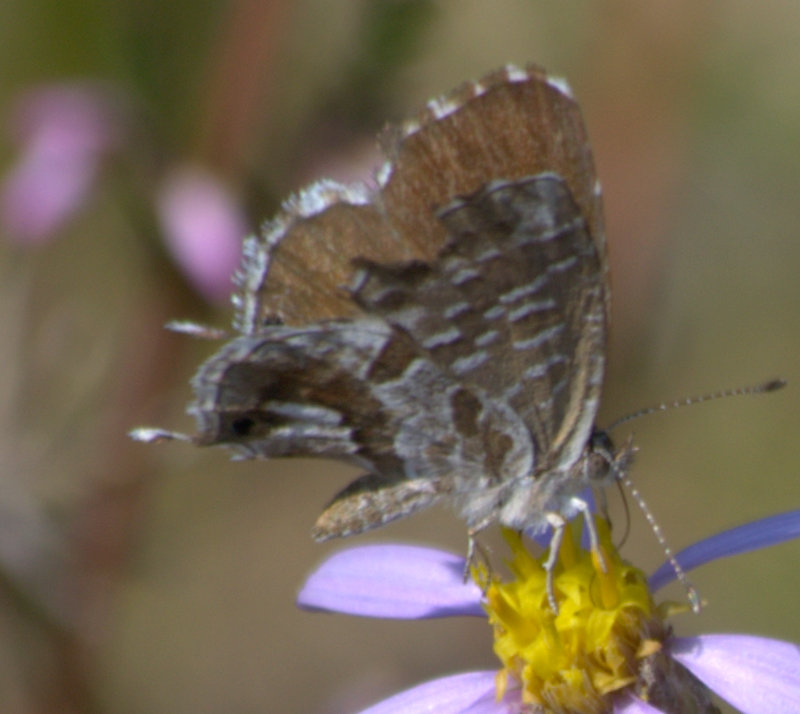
(203, 227)
(639, 659)
(63, 131)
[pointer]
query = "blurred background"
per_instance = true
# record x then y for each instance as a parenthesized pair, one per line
(142, 139)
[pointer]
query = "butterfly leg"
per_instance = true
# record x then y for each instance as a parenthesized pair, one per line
(151, 435)
(558, 523)
(594, 541)
(475, 550)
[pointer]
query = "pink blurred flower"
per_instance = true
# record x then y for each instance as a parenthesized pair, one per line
(203, 228)
(62, 131)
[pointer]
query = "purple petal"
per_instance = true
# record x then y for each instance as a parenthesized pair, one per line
(397, 581)
(203, 227)
(628, 704)
(759, 534)
(754, 674)
(468, 693)
(42, 192)
(62, 131)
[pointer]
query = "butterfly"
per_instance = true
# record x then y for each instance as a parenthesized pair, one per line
(445, 329)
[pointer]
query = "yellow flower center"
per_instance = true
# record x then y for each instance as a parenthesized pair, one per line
(572, 660)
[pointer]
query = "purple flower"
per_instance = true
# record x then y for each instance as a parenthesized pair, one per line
(203, 228)
(63, 132)
(640, 659)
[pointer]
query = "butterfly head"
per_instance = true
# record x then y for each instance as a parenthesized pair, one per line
(605, 463)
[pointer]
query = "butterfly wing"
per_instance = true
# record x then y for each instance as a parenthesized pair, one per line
(511, 124)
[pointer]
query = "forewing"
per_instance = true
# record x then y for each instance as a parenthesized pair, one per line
(511, 124)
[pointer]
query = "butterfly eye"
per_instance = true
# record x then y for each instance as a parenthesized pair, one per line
(601, 442)
(600, 459)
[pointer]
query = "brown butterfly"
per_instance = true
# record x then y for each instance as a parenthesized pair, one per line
(445, 330)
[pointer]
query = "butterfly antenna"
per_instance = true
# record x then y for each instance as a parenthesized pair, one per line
(680, 573)
(771, 385)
